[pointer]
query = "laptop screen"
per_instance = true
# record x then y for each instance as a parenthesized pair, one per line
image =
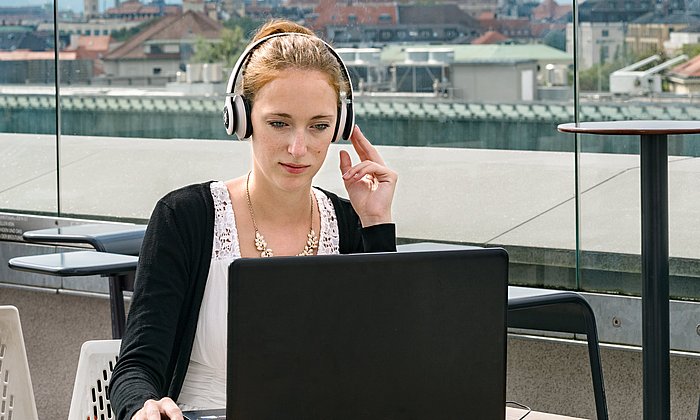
(385, 335)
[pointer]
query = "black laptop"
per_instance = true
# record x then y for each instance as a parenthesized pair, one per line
(372, 336)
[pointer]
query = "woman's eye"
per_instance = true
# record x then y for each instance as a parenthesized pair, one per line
(277, 124)
(321, 126)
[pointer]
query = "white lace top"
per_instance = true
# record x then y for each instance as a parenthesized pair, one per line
(205, 383)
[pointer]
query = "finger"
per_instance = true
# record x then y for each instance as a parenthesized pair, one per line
(151, 410)
(363, 147)
(367, 167)
(171, 409)
(345, 162)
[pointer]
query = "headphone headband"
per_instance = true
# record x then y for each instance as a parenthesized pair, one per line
(237, 108)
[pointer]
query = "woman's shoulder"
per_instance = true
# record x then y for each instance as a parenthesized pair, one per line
(193, 196)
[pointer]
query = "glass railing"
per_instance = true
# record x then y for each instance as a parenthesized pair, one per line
(471, 128)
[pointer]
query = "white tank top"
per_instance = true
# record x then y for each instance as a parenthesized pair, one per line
(205, 382)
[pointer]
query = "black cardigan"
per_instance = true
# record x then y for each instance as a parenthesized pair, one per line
(172, 272)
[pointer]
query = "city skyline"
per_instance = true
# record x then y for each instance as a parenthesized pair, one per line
(77, 5)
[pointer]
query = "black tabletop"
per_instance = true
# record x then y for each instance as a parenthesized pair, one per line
(78, 263)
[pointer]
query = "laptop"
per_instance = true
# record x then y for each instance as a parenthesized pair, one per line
(372, 336)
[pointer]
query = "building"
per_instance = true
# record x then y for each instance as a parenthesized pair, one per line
(25, 15)
(162, 49)
(376, 24)
(614, 10)
(91, 9)
(684, 79)
(647, 34)
(551, 11)
(677, 39)
(91, 47)
(513, 28)
(598, 42)
(135, 10)
(467, 72)
(91, 27)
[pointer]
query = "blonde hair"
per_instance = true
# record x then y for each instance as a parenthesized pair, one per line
(303, 52)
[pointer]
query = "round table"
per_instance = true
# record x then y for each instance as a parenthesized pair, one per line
(655, 295)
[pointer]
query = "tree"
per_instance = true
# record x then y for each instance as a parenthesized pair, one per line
(597, 78)
(225, 51)
(691, 50)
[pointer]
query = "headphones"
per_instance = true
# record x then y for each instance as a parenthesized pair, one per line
(237, 108)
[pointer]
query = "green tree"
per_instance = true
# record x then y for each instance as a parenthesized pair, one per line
(597, 78)
(691, 50)
(225, 51)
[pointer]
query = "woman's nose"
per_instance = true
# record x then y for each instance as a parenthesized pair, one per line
(297, 147)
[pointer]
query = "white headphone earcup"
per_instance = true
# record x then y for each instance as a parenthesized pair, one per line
(229, 122)
(349, 119)
(241, 116)
(340, 124)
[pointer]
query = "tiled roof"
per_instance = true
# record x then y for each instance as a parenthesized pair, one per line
(490, 37)
(436, 13)
(675, 18)
(689, 69)
(93, 43)
(188, 25)
(363, 14)
(25, 55)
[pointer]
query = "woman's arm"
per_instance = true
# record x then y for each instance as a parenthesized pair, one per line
(146, 360)
(173, 266)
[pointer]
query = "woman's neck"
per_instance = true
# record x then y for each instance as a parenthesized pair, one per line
(271, 203)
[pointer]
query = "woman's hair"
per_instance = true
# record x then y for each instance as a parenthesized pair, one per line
(303, 52)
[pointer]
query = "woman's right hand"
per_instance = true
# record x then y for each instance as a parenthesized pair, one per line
(165, 408)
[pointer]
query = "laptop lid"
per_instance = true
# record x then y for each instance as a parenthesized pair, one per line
(384, 336)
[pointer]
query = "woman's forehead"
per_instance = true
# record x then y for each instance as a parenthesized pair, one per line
(308, 88)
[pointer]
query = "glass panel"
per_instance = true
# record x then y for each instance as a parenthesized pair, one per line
(28, 178)
(466, 116)
(636, 61)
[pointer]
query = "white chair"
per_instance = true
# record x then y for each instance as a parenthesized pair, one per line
(16, 393)
(95, 366)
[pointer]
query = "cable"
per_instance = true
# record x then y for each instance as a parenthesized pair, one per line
(523, 406)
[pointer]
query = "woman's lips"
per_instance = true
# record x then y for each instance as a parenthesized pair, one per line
(294, 168)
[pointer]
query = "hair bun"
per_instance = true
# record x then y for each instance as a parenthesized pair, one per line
(278, 26)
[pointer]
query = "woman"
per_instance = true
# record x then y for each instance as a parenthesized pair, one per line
(174, 349)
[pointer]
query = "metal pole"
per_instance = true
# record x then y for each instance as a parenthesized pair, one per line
(655, 294)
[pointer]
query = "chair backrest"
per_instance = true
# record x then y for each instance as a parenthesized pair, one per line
(16, 393)
(95, 366)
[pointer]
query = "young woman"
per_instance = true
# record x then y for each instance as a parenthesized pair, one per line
(173, 354)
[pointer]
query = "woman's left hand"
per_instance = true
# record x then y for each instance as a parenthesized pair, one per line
(370, 184)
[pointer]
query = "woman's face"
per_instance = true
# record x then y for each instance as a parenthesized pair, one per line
(293, 119)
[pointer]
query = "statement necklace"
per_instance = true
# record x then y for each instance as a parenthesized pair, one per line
(261, 244)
